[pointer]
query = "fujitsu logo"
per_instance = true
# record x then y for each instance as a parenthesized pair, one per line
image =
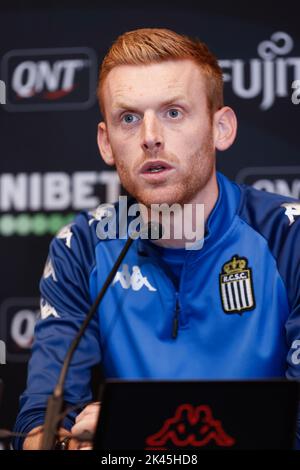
(190, 426)
(269, 75)
(42, 79)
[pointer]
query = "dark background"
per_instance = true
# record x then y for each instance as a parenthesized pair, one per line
(43, 136)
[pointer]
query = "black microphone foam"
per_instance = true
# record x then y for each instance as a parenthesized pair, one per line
(152, 231)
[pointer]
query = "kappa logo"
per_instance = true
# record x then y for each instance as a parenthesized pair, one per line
(192, 426)
(292, 210)
(65, 234)
(236, 286)
(101, 212)
(136, 280)
(49, 270)
(47, 310)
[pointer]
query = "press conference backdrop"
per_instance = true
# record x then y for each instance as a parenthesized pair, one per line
(50, 166)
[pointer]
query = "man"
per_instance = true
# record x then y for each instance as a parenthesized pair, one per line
(227, 310)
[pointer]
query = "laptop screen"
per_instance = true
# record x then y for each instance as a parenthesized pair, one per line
(197, 415)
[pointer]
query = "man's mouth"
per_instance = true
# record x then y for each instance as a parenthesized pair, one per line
(155, 167)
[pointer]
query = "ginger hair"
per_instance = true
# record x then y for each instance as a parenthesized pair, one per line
(154, 45)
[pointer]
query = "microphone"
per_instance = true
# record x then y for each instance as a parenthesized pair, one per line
(153, 231)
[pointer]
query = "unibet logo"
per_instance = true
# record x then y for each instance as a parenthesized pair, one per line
(40, 204)
(56, 190)
(37, 224)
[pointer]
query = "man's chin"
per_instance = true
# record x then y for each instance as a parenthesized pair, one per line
(157, 199)
(167, 194)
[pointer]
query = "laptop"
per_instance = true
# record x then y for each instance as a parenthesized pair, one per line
(197, 415)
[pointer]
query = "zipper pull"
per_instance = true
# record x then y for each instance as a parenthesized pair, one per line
(176, 319)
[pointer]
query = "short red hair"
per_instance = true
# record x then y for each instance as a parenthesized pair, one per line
(153, 45)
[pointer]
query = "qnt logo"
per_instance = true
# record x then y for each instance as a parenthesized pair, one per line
(2, 352)
(2, 92)
(190, 427)
(50, 79)
(18, 317)
(284, 180)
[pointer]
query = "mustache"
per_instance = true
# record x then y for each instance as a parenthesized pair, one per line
(167, 157)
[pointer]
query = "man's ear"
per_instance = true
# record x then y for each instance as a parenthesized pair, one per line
(104, 144)
(225, 128)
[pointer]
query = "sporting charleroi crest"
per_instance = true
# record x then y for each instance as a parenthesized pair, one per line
(236, 286)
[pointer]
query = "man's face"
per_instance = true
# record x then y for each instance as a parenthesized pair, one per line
(159, 131)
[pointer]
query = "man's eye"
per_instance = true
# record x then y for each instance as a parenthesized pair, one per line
(174, 113)
(129, 118)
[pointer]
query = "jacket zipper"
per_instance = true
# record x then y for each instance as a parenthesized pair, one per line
(175, 325)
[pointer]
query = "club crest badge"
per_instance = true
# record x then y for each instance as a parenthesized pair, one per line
(236, 286)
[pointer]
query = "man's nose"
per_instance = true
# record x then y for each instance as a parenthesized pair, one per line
(152, 136)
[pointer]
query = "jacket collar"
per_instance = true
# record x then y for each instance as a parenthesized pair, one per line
(218, 222)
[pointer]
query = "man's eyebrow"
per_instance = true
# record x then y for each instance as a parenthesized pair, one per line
(122, 105)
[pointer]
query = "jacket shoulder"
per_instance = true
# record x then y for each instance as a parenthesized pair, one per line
(277, 219)
(268, 213)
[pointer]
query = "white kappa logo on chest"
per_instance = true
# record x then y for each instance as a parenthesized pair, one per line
(135, 280)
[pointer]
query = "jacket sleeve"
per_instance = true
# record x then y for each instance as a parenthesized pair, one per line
(289, 267)
(65, 301)
(277, 218)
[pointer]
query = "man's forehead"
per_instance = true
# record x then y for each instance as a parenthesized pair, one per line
(170, 78)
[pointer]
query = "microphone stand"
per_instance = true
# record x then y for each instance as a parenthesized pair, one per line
(55, 401)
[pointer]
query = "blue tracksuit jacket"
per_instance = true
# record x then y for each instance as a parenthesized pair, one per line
(238, 304)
